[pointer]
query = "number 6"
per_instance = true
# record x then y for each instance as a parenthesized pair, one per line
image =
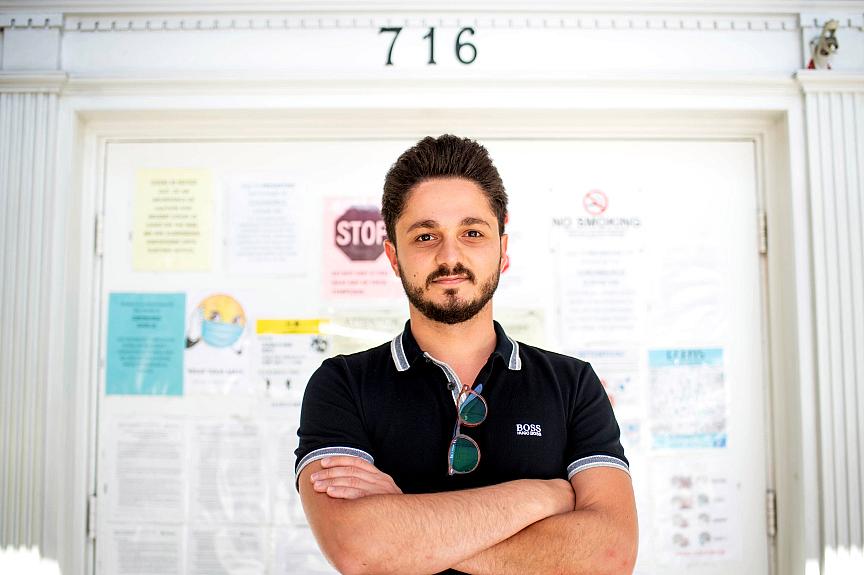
(460, 44)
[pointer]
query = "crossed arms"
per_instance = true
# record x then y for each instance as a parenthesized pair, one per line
(364, 524)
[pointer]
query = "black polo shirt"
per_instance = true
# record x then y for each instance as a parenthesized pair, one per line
(393, 405)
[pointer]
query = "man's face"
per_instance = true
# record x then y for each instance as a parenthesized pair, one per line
(450, 253)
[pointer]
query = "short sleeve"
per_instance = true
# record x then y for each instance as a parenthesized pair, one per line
(593, 436)
(330, 418)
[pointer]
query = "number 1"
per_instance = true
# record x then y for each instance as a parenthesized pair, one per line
(431, 36)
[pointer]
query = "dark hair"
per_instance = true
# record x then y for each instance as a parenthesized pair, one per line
(447, 156)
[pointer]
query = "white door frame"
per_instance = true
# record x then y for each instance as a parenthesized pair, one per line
(767, 111)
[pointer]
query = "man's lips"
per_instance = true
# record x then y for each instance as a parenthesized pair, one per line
(449, 280)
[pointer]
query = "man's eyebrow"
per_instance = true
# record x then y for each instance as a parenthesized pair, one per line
(432, 224)
(471, 221)
(422, 224)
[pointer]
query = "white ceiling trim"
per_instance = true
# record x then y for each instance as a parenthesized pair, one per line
(321, 6)
(118, 21)
(586, 21)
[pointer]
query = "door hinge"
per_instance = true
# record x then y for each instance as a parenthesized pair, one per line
(91, 517)
(763, 232)
(771, 510)
(98, 236)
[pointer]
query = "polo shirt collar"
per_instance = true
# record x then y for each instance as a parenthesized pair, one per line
(405, 350)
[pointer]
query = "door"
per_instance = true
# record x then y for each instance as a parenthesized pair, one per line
(232, 268)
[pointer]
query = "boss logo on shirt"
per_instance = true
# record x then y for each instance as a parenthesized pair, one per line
(529, 429)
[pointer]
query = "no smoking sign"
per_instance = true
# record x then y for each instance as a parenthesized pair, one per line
(595, 202)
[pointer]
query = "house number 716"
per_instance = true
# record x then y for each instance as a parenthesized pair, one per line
(466, 52)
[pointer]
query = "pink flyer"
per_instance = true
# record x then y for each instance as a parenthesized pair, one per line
(354, 262)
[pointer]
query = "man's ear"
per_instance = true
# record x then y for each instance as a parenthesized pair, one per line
(390, 250)
(505, 259)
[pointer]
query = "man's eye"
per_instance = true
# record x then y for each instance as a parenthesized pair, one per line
(424, 238)
(474, 234)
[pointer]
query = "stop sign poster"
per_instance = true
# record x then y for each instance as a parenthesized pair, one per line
(354, 262)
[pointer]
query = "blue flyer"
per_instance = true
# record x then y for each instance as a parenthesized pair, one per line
(688, 398)
(146, 339)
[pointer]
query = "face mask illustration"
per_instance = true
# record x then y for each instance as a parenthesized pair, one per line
(219, 321)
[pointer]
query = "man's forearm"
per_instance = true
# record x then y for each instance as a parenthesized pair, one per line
(599, 537)
(429, 532)
(578, 542)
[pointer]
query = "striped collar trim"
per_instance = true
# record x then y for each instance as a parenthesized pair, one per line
(398, 353)
(514, 362)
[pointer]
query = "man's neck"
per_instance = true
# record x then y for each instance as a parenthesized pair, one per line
(461, 344)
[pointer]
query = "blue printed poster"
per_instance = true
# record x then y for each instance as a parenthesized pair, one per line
(688, 398)
(146, 340)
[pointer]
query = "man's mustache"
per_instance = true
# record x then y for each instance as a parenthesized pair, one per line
(444, 271)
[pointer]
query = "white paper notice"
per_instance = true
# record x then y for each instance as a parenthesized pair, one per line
(688, 398)
(295, 551)
(229, 483)
(631, 438)
(598, 294)
(618, 370)
(287, 352)
(688, 294)
(146, 469)
(263, 230)
(228, 550)
(351, 333)
(287, 508)
(525, 325)
(600, 267)
(143, 550)
(696, 512)
(217, 357)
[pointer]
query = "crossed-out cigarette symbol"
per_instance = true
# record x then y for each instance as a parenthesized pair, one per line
(595, 202)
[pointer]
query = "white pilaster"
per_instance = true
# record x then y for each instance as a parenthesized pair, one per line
(835, 134)
(28, 124)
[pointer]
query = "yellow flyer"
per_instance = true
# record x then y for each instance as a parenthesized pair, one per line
(173, 221)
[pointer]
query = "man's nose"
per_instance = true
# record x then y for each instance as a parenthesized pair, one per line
(449, 252)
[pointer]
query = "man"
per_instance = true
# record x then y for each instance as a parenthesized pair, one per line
(447, 449)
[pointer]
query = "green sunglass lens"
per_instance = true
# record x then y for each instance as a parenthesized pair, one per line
(464, 456)
(473, 411)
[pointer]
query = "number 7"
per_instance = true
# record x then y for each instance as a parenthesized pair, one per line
(393, 43)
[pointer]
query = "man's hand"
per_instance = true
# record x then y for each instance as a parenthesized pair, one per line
(345, 477)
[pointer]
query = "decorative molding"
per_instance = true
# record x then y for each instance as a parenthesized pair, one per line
(30, 20)
(318, 6)
(844, 20)
(230, 84)
(514, 20)
(813, 81)
(46, 82)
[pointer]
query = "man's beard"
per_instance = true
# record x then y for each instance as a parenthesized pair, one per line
(456, 310)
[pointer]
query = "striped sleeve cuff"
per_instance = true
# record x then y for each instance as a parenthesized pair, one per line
(317, 454)
(596, 461)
